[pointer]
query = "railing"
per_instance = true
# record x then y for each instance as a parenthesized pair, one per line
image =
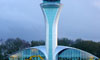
(34, 57)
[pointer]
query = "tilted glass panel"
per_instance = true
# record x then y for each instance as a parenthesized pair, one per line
(16, 56)
(74, 54)
(27, 53)
(11, 58)
(36, 52)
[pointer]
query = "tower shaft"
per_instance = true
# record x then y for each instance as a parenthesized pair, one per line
(51, 13)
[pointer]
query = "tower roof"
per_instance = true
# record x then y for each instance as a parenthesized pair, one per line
(52, 0)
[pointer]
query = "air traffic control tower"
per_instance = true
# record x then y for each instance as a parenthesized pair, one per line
(50, 51)
(51, 10)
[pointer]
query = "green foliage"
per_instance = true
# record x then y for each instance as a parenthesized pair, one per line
(65, 42)
(86, 45)
(13, 45)
(37, 43)
(1, 57)
(89, 46)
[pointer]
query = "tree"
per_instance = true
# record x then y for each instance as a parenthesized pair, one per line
(1, 56)
(86, 45)
(89, 46)
(13, 45)
(37, 43)
(65, 42)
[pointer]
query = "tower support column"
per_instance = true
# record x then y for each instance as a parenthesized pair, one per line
(51, 13)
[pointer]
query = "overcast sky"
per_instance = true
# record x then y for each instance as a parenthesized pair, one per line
(24, 19)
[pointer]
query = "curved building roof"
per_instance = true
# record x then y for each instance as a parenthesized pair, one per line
(41, 48)
(58, 50)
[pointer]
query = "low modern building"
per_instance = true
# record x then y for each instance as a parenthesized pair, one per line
(51, 10)
(61, 53)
